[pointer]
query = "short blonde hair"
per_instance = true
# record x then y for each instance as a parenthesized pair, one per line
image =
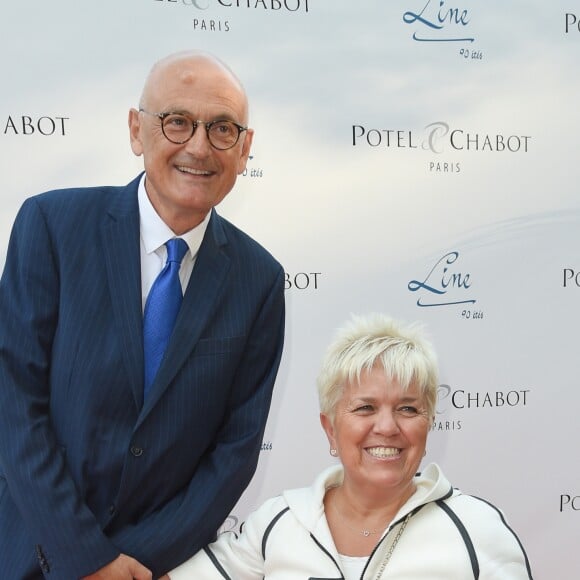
(366, 342)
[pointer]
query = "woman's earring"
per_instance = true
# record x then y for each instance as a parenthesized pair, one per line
(334, 452)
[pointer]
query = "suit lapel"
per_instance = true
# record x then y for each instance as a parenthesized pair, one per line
(121, 243)
(199, 302)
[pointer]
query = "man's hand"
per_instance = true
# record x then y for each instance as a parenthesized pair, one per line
(123, 568)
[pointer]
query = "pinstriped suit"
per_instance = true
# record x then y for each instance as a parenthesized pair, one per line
(86, 469)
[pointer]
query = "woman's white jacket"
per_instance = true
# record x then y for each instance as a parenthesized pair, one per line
(448, 536)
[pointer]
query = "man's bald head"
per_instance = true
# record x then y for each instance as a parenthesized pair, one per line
(184, 67)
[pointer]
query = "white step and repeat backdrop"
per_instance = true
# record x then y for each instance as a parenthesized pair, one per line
(417, 157)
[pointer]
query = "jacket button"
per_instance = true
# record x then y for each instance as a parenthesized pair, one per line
(112, 510)
(136, 451)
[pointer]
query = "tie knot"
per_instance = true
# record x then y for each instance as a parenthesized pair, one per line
(176, 249)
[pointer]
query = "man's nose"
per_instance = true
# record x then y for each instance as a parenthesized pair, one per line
(199, 144)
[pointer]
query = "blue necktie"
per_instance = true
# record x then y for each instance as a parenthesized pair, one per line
(161, 310)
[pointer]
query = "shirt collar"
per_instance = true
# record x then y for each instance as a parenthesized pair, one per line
(155, 232)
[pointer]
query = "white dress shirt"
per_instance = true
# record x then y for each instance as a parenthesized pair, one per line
(154, 233)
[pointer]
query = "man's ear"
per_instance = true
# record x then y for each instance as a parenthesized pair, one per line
(245, 154)
(135, 132)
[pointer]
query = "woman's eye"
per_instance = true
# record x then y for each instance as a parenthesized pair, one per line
(408, 410)
(364, 408)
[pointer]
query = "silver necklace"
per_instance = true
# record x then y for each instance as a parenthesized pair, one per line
(392, 547)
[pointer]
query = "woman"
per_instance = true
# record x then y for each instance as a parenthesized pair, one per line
(372, 516)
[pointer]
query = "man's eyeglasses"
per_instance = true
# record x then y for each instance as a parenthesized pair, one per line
(179, 129)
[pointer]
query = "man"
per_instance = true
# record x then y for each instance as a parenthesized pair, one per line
(99, 478)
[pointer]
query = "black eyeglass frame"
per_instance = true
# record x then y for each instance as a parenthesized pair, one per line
(194, 124)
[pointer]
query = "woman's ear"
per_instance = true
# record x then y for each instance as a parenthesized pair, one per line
(328, 427)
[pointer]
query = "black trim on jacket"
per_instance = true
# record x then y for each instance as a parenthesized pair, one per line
(528, 567)
(464, 534)
(330, 556)
(216, 563)
(269, 529)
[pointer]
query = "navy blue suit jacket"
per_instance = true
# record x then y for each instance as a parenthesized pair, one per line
(87, 470)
